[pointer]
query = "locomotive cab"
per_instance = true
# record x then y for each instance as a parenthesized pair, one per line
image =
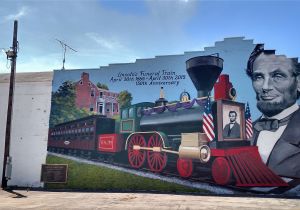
(131, 116)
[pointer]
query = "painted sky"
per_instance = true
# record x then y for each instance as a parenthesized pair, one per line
(114, 31)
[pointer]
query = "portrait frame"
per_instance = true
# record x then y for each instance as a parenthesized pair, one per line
(223, 109)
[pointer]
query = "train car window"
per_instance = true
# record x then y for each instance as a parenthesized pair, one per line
(125, 114)
(139, 111)
(131, 112)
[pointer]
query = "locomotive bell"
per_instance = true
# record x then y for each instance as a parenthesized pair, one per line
(204, 72)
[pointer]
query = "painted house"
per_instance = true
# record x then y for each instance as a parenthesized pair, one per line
(95, 99)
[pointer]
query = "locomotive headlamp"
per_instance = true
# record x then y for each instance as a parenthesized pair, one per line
(232, 93)
(205, 154)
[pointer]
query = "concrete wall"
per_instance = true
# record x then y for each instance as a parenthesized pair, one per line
(31, 111)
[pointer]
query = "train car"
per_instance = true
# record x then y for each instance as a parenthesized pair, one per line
(79, 137)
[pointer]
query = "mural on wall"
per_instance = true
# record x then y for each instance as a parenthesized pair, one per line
(181, 115)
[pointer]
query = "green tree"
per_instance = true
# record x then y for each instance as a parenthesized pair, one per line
(63, 107)
(102, 86)
(124, 98)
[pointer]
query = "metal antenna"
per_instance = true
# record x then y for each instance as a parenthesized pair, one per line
(64, 46)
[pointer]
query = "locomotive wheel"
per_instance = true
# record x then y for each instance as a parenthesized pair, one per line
(136, 158)
(221, 171)
(157, 160)
(185, 167)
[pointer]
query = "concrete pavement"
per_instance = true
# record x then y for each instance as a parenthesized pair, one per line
(22, 199)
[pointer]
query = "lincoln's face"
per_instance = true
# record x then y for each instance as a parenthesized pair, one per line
(232, 117)
(274, 83)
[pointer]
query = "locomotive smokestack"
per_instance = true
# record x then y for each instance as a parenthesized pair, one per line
(204, 72)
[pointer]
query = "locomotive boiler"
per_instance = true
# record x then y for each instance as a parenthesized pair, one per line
(185, 116)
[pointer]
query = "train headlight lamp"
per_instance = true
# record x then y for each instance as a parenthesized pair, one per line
(205, 154)
(232, 93)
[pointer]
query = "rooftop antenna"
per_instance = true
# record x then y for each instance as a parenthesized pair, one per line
(64, 46)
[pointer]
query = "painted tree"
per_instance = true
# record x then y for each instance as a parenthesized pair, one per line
(63, 107)
(102, 86)
(124, 98)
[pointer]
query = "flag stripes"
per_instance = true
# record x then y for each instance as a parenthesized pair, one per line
(249, 128)
(208, 124)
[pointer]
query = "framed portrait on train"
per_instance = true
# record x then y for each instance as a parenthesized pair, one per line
(230, 120)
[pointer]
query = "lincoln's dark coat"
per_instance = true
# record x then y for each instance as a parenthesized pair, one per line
(284, 159)
(234, 132)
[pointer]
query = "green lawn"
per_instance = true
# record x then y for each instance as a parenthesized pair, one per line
(90, 177)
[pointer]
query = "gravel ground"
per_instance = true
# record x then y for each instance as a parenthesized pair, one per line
(21, 199)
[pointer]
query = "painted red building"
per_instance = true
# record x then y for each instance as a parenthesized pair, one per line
(95, 99)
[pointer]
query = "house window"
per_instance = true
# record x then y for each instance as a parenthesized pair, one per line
(91, 108)
(93, 92)
(101, 95)
(100, 108)
(80, 82)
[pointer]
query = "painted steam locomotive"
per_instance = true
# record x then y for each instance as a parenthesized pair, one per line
(153, 132)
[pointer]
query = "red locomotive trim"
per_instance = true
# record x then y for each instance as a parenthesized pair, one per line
(185, 167)
(221, 171)
(105, 143)
(247, 167)
(110, 142)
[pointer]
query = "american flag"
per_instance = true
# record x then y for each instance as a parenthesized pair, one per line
(208, 124)
(249, 129)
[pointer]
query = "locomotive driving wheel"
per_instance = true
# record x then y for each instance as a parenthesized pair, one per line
(136, 157)
(185, 167)
(221, 171)
(157, 160)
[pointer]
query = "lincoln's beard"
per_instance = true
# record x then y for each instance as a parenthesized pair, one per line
(270, 108)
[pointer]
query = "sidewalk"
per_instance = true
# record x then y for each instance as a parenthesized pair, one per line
(21, 199)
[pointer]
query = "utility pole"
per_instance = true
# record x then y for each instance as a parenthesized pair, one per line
(64, 46)
(12, 56)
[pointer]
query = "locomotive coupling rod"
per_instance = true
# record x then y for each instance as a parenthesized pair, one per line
(154, 149)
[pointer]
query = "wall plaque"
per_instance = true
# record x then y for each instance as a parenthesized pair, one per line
(54, 173)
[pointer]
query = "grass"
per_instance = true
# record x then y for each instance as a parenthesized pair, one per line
(91, 177)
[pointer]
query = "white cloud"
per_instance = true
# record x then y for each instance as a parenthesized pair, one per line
(112, 36)
(42, 63)
(110, 44)
(22, 12)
